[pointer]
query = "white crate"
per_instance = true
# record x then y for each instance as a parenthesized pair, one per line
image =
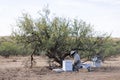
(67, 65)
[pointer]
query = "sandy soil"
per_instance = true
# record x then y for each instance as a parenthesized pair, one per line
(13, 69)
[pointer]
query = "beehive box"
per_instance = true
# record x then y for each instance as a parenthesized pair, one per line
(67, 65)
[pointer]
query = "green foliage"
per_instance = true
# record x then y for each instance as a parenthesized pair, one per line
(57, 36)
(112, 48)
(9, 47)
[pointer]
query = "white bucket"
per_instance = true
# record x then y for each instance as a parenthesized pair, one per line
(67, 65)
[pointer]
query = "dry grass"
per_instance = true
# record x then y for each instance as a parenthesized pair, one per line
(13, 69)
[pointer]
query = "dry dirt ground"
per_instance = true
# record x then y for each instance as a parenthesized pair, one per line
(13, 68)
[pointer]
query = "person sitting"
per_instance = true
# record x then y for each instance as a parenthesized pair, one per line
(97, 60)
(77, 62)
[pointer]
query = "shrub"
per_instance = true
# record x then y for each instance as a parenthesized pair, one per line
(9, 48)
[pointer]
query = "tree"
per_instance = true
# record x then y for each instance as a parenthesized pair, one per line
(56, 36)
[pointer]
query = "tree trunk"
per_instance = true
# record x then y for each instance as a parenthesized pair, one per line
(32, 59)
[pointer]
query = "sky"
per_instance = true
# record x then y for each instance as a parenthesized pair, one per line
(103, 14)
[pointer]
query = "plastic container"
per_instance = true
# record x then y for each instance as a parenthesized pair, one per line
(67, 65)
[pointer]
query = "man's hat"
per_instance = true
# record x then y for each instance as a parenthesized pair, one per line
(72, 52)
